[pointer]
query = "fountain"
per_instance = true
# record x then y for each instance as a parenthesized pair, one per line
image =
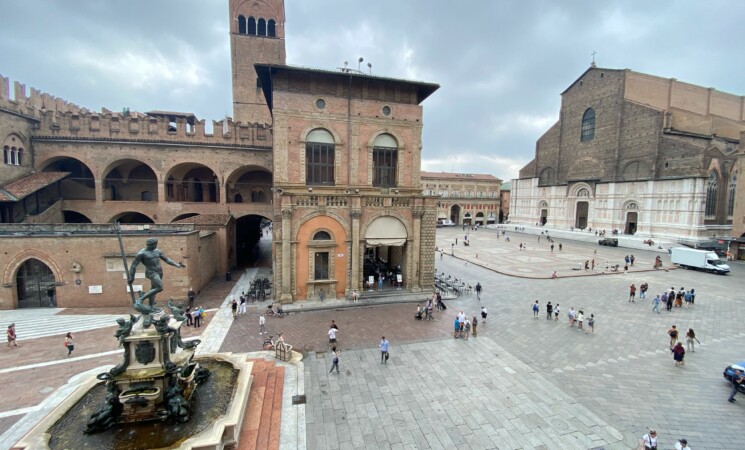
(159, 395)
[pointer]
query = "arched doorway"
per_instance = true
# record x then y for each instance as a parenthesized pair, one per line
(253, 241)
(544, 213)
(33, 281)
(467, 219)
(583, 209)
(455, 214)
(480, 219)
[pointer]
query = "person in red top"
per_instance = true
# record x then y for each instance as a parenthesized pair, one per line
(632, 293)
(12, 335)
(678, 354)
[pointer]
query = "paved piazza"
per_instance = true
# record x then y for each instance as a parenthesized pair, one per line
(522, 383)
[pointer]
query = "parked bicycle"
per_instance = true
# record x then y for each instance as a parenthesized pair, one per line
(270, 311)
(271, 344)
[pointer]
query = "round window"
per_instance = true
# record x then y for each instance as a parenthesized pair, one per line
(386, 110)
(320, 103)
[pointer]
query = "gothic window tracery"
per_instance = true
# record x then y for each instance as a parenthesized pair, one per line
(731, 195)
(588, 125)
(712, 188)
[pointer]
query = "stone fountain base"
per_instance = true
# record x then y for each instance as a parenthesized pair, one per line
(64, 426)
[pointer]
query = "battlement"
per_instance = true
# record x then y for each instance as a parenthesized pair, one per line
(64, 120)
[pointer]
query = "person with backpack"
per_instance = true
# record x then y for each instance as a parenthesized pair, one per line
(673, 333)
(536, 309)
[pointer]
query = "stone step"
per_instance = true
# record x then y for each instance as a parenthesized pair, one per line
(261, 423)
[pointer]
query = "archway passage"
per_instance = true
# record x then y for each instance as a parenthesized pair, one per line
(385, 254)
(583, 209)
(192, 182)
(131, 218)
(632, 218)
(131, 180)
(544, 216)
(455, 214)
(80, 185)
(253, 241)
(249, 184)
(75, 217)
(34, 282)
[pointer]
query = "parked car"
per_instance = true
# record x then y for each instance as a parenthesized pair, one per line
(609, 242)
(445, 223)
(729, 371)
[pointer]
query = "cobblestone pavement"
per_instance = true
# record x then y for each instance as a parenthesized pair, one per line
(521, 383)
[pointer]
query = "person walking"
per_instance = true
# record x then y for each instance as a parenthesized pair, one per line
(332, 336)
(69, 343)
(737, 380)
(643, 291)
(262, 323)
(474, 324)
(536, 309)
(682, 444)
(673, 333)
(456, 328)
(678, 354)
(549, 310)
(632, 293)
(656, 304)
(384, 344)
(242, 306)
(192, 295)
(197, 317)
(466, 329)
(483, 314)
(669, 302)
(234, 308)
(632, 259)
(572, 315)
(691, 340)
(189, 318)
(591, 324)
(649, 440)
(557, 309)
(478, 291)
(335, 360)
(687, 297)
(580, 319)
(12, 335)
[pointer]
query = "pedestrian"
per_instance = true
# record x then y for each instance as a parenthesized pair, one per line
(737, 380)
(234, 308)
(691, 340)
(483, 314)
(381, 279)
(632, 293)
(682, 444)
(693, 296)
(332, 336)
(322, 294)
(197, 317)
(262, 324)
(440, 304)
(335, 360)
(456, 327)
(554, 275)
(536, 308)
(478, 291)
(466, 329)
(384, 350)
(632, 259)
(627, 260)
(656, 304)
(12, 335)
(474, 324)
(591, 324)
(242, 306)
(192, 295)
(580, 319)
(687, 297)
(572, 315)
(552, 248)
(643, 291)
(649, 440)
(592, 263)
(549, 310)
(679, 353)
(560, 246)
(556, 313)
(673, 333)
(189, 318)
(69, 343)
(669, 302)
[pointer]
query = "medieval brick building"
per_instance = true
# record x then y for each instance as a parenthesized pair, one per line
(638, 154)
(349, 170)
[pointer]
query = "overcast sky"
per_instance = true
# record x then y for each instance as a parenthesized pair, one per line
(501, 64)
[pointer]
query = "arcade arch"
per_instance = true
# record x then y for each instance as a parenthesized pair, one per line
(130, 180)
(75, 217)
(192, 182)
(80, 185)
(249, 184)
(131, 217)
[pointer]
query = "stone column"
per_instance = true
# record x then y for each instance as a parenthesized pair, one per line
(416, 246)
(286, 292)
(354, 283)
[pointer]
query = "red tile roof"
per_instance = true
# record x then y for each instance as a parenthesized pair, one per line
(207, 219)
(22, 188)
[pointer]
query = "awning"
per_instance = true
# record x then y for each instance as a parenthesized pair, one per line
(385, 231)
(442, 215)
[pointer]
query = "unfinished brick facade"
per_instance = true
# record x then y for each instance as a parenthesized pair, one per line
(638, 154)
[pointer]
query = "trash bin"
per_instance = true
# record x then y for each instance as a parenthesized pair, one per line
(228, 277)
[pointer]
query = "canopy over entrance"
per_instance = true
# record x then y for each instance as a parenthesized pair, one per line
(385, 231)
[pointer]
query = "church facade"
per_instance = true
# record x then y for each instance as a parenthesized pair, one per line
(349, 170)
(636, 154)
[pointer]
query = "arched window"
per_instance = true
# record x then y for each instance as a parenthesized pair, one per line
(241, 25)
(588, 125)
(319, 158)
(271, 26)
(584, 192)
(258, 196)
(731, 194)
(385, 161)
(546, 177)
(251, 26)
(712, 186)
(262, 27)
(322, 236)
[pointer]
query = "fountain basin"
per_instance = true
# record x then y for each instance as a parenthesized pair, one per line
(218, 406)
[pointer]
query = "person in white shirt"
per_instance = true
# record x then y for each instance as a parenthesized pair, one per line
(649, 440)
(262, 321)
(332, 336)
(682, 444)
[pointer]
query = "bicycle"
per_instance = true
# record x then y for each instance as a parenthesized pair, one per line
(270, 311)
(269, 343)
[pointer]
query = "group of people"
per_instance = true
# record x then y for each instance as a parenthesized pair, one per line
(676, 346)
(575, 317)
(649, 442)
(672, 299)
(194, 316)
(425, 312)
(463, 326)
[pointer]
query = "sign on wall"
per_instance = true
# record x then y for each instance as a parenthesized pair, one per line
(95, 289)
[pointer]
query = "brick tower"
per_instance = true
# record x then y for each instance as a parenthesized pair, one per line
(257, 35)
